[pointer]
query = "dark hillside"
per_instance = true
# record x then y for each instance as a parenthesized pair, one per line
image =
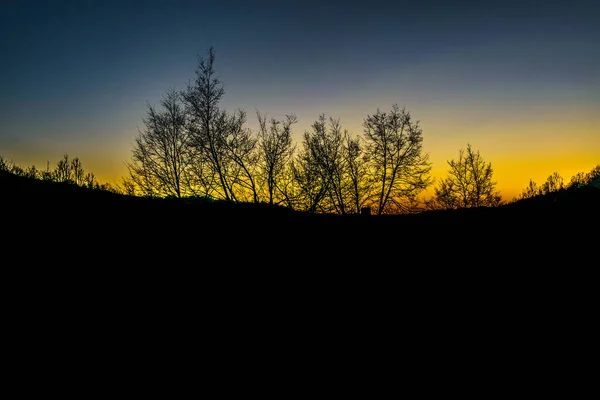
(68, 252)
(81, 220)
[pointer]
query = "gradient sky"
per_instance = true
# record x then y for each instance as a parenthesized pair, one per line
(518, 80)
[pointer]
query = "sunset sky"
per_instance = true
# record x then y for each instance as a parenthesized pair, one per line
(518, 80)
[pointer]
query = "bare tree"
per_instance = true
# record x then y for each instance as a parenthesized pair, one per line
(11, 167)
(161, 152)
(289, 193)
(361, 182)
(208, 126)
(326, 145)
(77, 172)
(89, 181)
(275, 153)
(63, 171)
(468, 184)
(322, 170)
(593, 177)
(530, 191)
(309, 186)
(553, 183)
(583, 179)
(5, 165)
(445, 196)
(241, 158)
(127, 187)
(224, 151)
(578, 180)
(395, 150)
(47, 174)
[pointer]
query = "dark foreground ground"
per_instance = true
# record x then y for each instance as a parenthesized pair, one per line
(119, 286)
(89, 225)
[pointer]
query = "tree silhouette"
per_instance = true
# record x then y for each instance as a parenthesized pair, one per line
(326, 144)
(241, 155)
(223, 149)
(69, 171)
(89, 181)
(361, 181)
(161, 153)
(578, 180)
(468, 184)
(593, 177)
(78, 173)
(553, 183)
(275, 152)
(395, 150)
(63, 171)
(193, 147)
(309, 186)
(590, 178)
(530, 191)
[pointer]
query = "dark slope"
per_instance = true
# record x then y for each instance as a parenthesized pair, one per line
(86, 268)
(81, 220)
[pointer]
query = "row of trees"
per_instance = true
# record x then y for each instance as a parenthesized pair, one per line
(192, 147)
(67, 170)
(555, 183)
(466, 177)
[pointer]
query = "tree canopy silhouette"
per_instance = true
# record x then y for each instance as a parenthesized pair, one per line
(161, 155)
(275, 148)
(395, 151)
(222, 147)
(468, 183)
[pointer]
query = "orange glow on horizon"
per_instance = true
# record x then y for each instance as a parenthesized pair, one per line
(518, 151)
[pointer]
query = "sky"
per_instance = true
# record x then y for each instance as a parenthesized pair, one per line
(517, 80)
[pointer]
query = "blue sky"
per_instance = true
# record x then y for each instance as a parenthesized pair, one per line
(519, 80)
